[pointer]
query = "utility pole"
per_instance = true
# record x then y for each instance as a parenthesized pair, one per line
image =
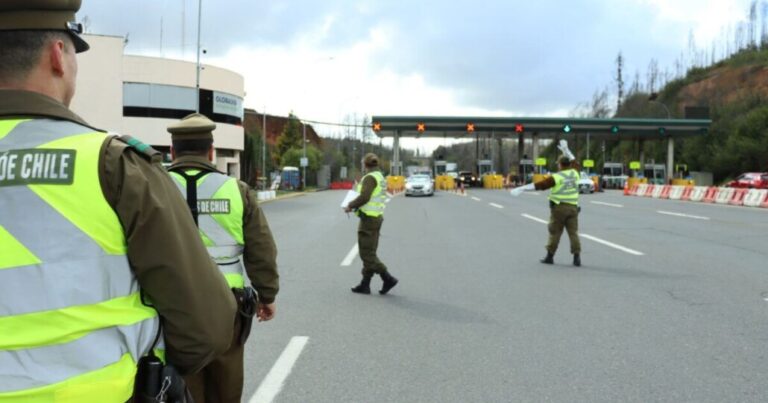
(304, 160)
(264, 147)
(197, 75)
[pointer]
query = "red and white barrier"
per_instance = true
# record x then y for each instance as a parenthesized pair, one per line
(711, 195)
(724, 195)
(755, 197)
(676, 192)
(650, 190)
(738, 197)
(687, 192)
(641, 189)
(698, 193)
(657, 192)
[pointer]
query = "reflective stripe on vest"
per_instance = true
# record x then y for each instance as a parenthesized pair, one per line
(222, 231)
(566, 188)
(377, 203)
(71, 319)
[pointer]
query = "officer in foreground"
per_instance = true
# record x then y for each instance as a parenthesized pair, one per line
(563, 207)
(370, 208)
(97, 245)
(238, 239)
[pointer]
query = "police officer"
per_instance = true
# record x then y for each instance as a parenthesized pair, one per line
(370, 208)
(96, 242)
(564, 208)
(239, 240)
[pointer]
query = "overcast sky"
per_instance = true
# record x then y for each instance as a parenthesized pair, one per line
(325, 59)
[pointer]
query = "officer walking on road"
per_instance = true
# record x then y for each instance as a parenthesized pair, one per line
(370, 208)
(238, 239)
(97, 245)
(563, 206)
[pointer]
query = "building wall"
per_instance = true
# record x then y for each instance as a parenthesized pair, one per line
(108, 81)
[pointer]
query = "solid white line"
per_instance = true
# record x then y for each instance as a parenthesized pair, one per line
(350, 256)
(611, 244)
(476, 198)
(592, 238)
(271, 385)
(530, 217)
(533, 193)
(607, 204)
(496, 205)
(695, 217)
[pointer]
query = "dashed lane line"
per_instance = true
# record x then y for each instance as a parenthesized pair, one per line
(608, 204)
(350, 256)
(695, 217)
(476, 198)
(593, 238)
(496, 205)
(272, 385)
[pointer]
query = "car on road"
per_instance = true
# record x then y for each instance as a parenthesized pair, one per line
(419, 185)
(751, 180)
(469, 179)
(586, 185)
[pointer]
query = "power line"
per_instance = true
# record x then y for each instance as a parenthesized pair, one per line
(335, 123)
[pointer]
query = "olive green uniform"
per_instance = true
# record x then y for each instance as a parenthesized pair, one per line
(561, 215)
(222, 380)
(165, 252)
(368, 231)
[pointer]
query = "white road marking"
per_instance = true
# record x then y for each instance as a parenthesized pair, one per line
(533, 193)
(530, 217)
(611, 244)
(271, 385)
(350, 256)
(476, 198)
(592, 238)
(496, 205)
(388, 200)
(607, 204)
(695, 217)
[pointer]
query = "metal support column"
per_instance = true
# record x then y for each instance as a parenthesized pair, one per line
(535, 139)
(395, 168)
(670, 158)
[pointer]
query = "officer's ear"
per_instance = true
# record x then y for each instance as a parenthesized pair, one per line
(210, 153)
(173, 153)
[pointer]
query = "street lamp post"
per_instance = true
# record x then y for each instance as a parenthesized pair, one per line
(304, 160)
(197, 73)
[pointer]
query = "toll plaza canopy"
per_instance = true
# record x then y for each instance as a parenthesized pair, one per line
(465, 127)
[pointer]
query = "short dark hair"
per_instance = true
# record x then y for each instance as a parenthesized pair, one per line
(195, 147)
(20, 51)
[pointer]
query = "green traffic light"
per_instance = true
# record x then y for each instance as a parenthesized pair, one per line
(567, 128)
(662, 131)
(614, 129)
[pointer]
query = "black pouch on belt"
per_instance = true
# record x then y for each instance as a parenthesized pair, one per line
(247, 300)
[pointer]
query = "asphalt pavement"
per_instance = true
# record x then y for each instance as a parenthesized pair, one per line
(669, 305)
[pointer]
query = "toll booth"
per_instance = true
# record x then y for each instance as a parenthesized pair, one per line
(526, 169)
(440, 168)
(614, 175)
(484, 167)
(655, 173)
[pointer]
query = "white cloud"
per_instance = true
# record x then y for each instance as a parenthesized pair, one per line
(706, 18)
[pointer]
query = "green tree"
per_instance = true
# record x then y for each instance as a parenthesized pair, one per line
(292, 158)
(291, 137)
(251, 157)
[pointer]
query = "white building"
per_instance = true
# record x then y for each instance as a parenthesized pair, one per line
(141, 96)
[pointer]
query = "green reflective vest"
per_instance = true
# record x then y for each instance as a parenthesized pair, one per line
(375, 206)
(72, 324)
(220, 221)
(566, 188)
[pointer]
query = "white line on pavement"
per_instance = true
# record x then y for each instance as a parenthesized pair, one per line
(271, 385)
(476, 198)
(388, 200)
(592, 238)
(695, 217)
(611, 244)
(530, 217)
(350, 256)
(533, 193)
(496, 205)
(607, 204)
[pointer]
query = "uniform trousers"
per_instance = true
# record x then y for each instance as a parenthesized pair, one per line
(368, 232)
(563, 215)
(221, 381)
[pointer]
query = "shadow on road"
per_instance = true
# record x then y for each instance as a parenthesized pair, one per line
(438, 311)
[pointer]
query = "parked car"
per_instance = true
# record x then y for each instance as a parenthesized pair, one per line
(419, 185)
(586, 185)
(751, 180)
(469, 179)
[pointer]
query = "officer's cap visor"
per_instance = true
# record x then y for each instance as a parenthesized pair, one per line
(75, 29)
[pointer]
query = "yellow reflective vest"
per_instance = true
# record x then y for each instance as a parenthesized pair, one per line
(566, 188)
(72, 324)
(375, 206)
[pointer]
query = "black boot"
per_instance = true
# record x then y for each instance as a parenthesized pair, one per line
(365, 285)
(576, 259)
(549, 259)
(389, 283)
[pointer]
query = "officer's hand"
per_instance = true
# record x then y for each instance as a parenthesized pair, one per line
(347, 210)
(265, 312)
(517, 191)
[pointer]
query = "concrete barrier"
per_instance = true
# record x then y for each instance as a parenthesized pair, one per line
(755, 197)
(676, 193)
(650, 190)
(698, 193)
(724, 195)
(738, 197)
(657, 192)
(266, 195)
(641, 189)
(687, 191)
(710, 195)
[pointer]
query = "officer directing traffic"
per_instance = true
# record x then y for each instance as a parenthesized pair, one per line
(563, 207)
(370, 208)
(97, 245)
(238, 239)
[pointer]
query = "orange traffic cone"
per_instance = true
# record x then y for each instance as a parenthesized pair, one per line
(626, 188)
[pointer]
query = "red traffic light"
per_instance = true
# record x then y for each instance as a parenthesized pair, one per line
(421, 127)
(376, 126)
(470, 127)
(519, 128)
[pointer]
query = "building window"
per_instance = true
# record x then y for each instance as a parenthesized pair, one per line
(174, 102)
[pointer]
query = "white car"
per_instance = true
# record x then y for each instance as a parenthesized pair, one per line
(419, 185)
(586, 185)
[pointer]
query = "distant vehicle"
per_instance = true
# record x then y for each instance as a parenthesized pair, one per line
(750, 180)
(419, 185)
(586, 185)
(469, 179)
(614, 176)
